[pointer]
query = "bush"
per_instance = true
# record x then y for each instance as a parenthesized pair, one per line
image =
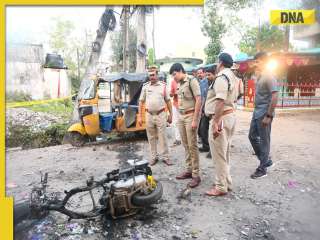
(22, 136)
(75, 83)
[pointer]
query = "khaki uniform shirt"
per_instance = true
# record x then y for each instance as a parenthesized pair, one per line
(155, 96)
(219, 90)
(186, 98)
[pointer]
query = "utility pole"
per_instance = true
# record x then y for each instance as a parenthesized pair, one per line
(141, 40)
(125, 34)
(141, 48)
(78, 60)
(153, 38)
(258, 45)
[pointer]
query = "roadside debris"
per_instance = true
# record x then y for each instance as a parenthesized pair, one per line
(35, 120)
(292, 184)
(185, 194)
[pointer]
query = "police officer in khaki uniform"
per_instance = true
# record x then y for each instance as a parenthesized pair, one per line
(220, 107)
(156, 97)
(189, 101)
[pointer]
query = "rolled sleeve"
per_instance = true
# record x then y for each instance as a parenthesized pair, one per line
(221, 88)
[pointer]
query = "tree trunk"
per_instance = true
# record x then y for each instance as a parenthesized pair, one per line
(107, 22)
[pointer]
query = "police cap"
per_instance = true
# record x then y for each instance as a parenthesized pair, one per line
(226, 59)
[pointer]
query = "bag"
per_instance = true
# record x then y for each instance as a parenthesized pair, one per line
(190, 88)
(239, 93)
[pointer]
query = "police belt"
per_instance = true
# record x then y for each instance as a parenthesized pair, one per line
(186, 112)
(210, 116)
(156, 113)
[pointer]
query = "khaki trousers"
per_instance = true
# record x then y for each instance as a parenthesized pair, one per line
(156, 132)
(220, 152)
(189, 141)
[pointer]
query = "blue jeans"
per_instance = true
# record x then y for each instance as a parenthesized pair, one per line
(259, 137)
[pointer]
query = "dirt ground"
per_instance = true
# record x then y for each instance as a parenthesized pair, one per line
(283, 205)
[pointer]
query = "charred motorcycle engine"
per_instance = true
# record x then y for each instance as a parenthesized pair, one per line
(122, 191)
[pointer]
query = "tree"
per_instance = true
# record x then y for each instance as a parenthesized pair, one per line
(271, 39)
(64, 42)
(215, 26)
(117, 46)
(151, 57)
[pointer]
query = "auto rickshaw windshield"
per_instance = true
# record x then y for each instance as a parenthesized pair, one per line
(89, 91)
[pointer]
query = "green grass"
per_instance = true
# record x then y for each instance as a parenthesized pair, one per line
(63, 108)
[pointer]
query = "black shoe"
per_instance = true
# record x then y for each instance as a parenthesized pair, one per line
(204, 149)
(270, 164)
(259, 173)
(209, 155)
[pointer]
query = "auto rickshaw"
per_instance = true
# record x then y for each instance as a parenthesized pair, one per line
(114, 111)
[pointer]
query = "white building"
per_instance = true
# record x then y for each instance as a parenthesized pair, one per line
(25, 73)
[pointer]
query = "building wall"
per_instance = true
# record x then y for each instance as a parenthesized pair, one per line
(310, 33)
(25, 73)
(26, 78)
(56, 83)
(192, 51)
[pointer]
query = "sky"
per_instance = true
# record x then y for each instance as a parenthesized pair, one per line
(177, 29)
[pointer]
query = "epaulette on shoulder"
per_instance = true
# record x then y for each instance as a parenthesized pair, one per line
(146, 83)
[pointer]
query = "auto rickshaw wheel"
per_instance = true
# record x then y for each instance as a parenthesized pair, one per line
(76, 139)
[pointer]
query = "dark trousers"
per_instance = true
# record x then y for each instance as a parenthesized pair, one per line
(203, 131)
(259, 137)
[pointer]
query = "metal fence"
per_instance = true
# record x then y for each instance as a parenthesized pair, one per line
(291, 95)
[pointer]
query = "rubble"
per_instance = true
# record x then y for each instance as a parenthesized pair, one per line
(28, 129)
(35, 120)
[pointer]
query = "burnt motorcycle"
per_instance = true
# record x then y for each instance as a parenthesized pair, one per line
(121, 193)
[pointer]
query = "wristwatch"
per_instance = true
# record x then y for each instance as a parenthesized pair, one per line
(269, 116)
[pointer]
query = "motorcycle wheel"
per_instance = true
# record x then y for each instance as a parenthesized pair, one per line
(144, 200)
